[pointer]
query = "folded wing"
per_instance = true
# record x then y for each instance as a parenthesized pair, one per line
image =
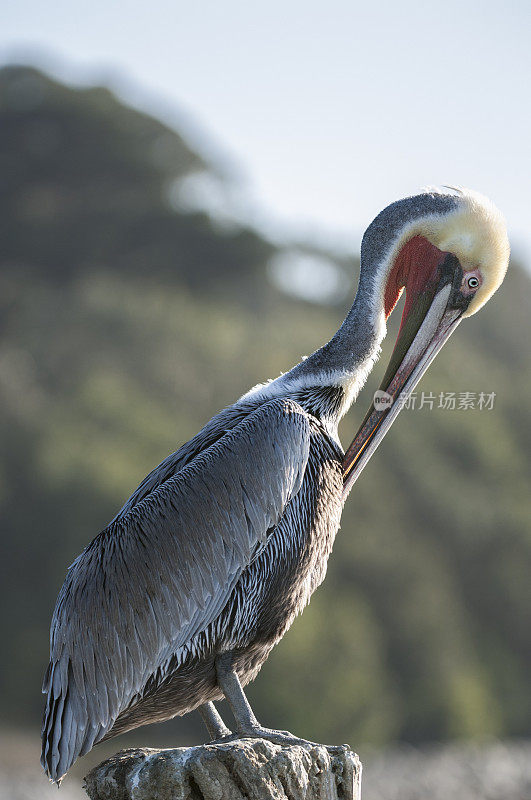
(161, 573)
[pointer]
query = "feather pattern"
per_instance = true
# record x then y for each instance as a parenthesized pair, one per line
(163, 570)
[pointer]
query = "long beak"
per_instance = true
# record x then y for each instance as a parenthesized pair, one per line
(432, 319)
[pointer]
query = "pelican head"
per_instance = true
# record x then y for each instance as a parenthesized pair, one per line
(449, 251)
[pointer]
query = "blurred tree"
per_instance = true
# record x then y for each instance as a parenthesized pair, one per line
(86, 183)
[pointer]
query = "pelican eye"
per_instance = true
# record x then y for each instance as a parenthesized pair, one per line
(473, 282)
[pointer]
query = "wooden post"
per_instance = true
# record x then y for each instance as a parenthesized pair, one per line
(245, 769)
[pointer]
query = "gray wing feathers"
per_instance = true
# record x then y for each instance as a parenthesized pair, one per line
(162, 572)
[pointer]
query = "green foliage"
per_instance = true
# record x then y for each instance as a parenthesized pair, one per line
(126, 325)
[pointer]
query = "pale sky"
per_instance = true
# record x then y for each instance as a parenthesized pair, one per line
(327, 111)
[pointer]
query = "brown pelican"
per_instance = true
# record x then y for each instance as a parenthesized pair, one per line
(179, 601)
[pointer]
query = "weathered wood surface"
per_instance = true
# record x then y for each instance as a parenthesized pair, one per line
(246, 768)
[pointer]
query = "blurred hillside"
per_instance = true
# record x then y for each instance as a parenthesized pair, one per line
(127, 322)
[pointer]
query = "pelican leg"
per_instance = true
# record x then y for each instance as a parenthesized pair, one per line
(211, 717)
(246, 723)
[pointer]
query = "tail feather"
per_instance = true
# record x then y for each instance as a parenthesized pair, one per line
(67, 732)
